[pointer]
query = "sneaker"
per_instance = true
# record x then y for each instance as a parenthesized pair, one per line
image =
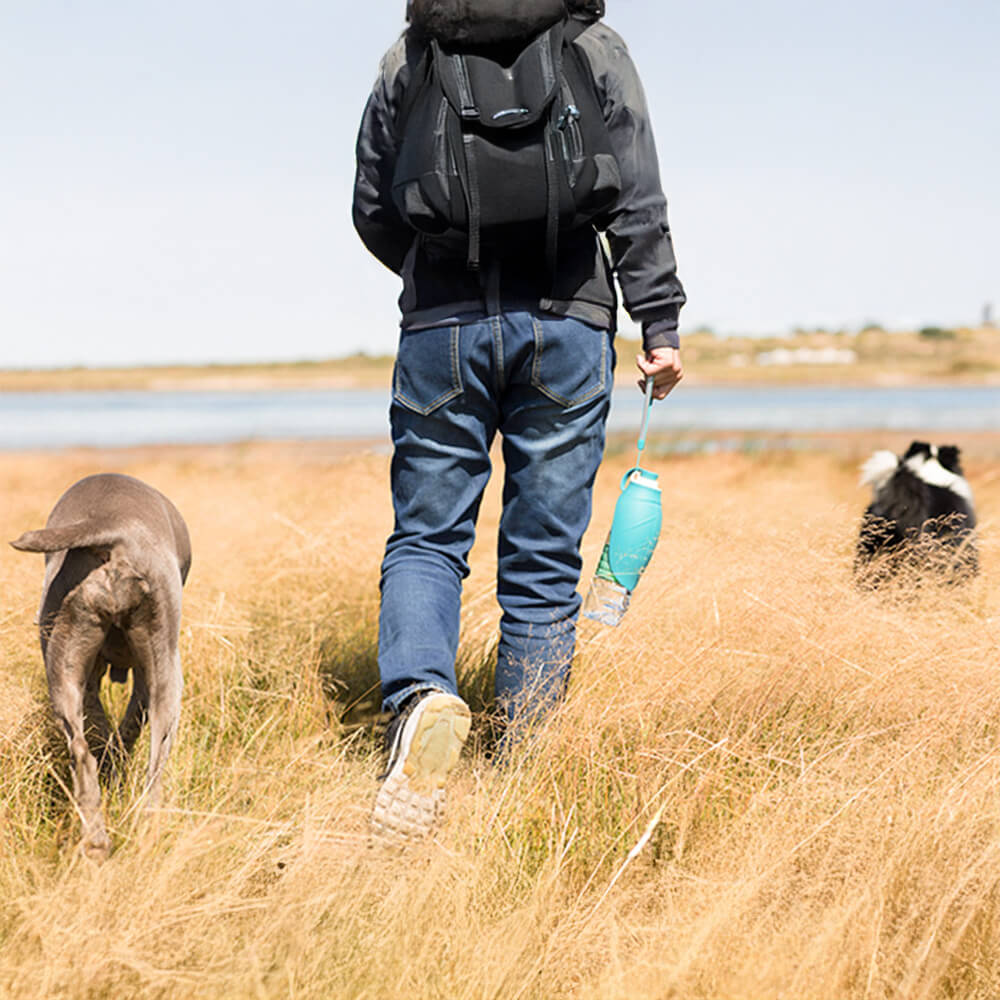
(425, 741)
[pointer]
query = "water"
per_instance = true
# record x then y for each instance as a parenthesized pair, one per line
(122, 419)
(928, 408)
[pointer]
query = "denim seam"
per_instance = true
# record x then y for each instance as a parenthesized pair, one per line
(500, 379)
(536, 375)
(456, 377)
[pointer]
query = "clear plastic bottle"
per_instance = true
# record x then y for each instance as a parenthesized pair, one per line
(607, 600)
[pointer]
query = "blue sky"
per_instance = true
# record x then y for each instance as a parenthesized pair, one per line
(175, 180)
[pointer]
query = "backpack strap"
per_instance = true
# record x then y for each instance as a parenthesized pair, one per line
(417, 82)
(551, 179)
(575, 27)
(552, 196)
(474, 201)
(468, 111)
(572, 28)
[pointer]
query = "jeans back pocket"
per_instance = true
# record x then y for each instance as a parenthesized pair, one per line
(572, 362)
(427, 372)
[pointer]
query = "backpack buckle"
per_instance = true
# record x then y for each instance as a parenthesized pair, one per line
(571, 113)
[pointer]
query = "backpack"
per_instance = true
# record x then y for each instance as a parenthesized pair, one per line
(503, 141)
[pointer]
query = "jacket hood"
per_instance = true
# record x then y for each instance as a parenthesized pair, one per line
(485, 22)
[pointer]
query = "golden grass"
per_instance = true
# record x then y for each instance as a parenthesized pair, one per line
(766, 784)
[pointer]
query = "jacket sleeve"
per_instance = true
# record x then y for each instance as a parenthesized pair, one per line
(642, 252)
(378, 223)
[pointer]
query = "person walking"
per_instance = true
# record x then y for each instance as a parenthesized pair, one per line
(500, 139)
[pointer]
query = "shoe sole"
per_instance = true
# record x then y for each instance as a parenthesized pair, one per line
(410, 802)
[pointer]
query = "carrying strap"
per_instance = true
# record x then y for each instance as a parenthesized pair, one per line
(552, 194)
(468, 109)
(571, 31)
(473, 201)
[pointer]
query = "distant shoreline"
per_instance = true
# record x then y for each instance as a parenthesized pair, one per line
(873, 357)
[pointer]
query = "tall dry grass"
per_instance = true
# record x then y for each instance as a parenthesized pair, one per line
(765, 785)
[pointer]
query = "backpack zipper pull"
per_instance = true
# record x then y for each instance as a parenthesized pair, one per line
(571, 113)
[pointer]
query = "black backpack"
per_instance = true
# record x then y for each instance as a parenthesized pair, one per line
(503, 142)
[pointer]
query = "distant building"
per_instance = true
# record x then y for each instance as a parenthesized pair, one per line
(808, 356)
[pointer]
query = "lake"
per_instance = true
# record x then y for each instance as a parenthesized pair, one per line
(121, 419)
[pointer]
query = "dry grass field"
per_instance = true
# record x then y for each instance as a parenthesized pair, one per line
(766, 785)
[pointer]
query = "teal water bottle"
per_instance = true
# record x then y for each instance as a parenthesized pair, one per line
(635, 530)
(634, 533)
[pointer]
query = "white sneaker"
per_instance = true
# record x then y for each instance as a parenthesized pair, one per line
(425, 741)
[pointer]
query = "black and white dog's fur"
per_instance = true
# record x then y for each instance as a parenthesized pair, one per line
(921, 516)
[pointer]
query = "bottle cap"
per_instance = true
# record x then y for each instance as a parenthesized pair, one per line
(641, 477)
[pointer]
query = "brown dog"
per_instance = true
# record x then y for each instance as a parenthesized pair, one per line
(117, 553)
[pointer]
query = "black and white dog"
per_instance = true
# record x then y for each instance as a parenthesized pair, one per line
(921, 517)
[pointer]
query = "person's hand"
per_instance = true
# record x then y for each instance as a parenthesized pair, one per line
(663, 364)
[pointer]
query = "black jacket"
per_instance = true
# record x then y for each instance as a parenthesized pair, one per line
(438, 287)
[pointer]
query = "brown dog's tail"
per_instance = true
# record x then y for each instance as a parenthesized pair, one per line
(78, 535)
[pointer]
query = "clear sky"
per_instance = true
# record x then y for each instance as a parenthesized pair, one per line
(175, 179)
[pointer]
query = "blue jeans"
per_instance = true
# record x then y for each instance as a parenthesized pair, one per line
(545, 384)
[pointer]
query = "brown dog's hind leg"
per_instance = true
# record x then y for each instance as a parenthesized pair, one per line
(77, 634)
(136, 712)
(164, 715)
(96, 725)
(157, 693)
